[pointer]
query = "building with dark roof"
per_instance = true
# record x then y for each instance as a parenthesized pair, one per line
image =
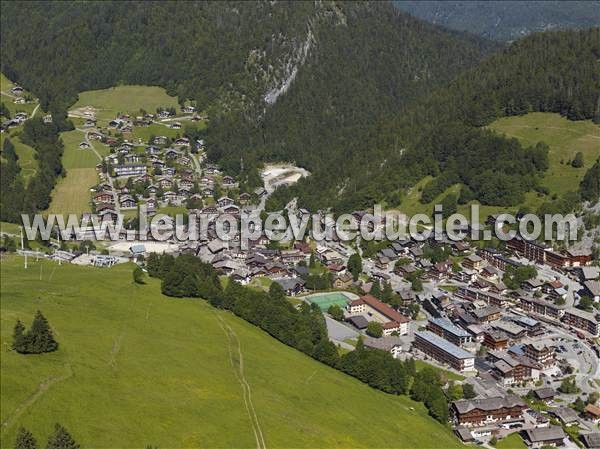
(481, 412)
(443, 351)
(545, 436)
(448, 331)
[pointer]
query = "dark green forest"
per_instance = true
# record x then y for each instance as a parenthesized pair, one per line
(379, 99)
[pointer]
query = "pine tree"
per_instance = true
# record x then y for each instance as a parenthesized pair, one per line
(19, 338)
(61, 439)
(25, 440)
(138, 275)
(40, 336)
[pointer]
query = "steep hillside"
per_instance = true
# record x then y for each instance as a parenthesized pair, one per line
(505, 20)
(442, 136)
(136, 368)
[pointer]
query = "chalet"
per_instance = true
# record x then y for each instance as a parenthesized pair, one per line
(232, 209)
(169, 171)
(104, 206)
(224, 201)
(157, 163)
(228, 181)
(84, 146)
(89, 123)
(165, 183)
(151, 204)
(47, 118)
(510, 369)
(473, 262)
(244, 198)
(481, 412)
(578, 257)
(591, 288)
(94, 135)
(545, 436)
(184, 192)
(127, 202)
(545, 394)
(182, 142)
(153, 150)
(160, 140)
(17, 90)
(541, 307)
(291, 286)
(495, 339)
(175, 125)
(172, 153)
(591, 440)
(131, 158)
(486, 314)
(393, 345)
(260, 192)
(103, 197)
(188, 109)
(592, 412)
(186, 183)
(170, 196)
(566, 415)
(343, 281)
(184, 160)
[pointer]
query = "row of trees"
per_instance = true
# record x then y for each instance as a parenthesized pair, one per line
(60, 439)
(302, 328)
(38, 339)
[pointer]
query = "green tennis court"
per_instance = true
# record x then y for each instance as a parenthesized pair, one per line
(325, 300)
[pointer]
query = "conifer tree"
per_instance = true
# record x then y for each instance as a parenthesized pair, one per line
(25, 440)
(41, 338)
(19, 337)
(61, 439)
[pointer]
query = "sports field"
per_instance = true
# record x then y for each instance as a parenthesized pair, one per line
(135, 368)
(326, 300)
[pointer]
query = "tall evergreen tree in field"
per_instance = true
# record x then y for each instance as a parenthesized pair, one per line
(355, 265)
(25, 440)
(19, 341)
(41, 336)
(61, 439)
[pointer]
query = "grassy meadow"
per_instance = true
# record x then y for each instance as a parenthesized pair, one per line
(125, 99)
(137, 368)
(72, 193)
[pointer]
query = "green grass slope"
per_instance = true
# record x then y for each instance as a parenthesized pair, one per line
(564, 137)
(125, 99)
(135, 368)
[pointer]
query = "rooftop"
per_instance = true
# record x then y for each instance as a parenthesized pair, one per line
(445, 345)
(448, 326)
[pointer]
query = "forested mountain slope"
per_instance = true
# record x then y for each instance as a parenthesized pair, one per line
(548, 72)
(296, 81)
(505, 20)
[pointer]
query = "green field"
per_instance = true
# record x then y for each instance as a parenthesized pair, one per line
(125, 99)
(513, 441)
(137, 368)
(72, 193)
(564, 137)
